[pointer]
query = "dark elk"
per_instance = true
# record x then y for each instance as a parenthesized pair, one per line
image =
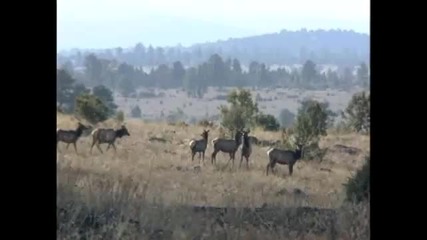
(246, 148)
(199, 146)
(107, 135)
(70, 136)
(229, 146)
(284, 157)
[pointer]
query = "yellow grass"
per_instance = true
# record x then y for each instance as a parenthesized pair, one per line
(154, 172)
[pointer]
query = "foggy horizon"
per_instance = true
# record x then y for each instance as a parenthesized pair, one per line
(90, 25)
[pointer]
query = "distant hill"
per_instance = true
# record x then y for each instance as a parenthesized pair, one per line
(336, 47)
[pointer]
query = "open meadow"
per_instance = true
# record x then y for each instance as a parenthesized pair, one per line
(149, 188)
(155, 102)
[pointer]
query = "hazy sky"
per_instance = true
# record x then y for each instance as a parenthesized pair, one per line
(108, 23)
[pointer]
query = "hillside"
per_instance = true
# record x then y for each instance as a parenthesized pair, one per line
(337, 47)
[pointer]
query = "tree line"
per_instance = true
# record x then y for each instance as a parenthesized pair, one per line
(214, 72)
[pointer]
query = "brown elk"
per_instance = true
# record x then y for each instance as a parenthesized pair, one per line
(199, 146)
(246, 148)
(107, 135)
(284, 157)
(229, 146)
(70, 136)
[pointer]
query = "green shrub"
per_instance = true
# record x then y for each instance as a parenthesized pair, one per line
(267, 122)
(312, 121)
(106, 95)
(357, 187)
(120, 116)
(286, 118)
(240, 111)
(314, 152)
(91, 108)
(136, 112)
(358, 113)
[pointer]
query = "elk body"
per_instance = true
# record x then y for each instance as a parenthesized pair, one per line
(199, 146)
(284, 157)
(246, 148)
(229, 146)
(70, 136)
(107, 135)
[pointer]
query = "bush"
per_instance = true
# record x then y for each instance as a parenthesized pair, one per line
(286, 118)
(267, 122)
(120, 116)
(106, 95)
(176, 116)
(313, 151)
(312, 121)
(240, 112)
(358, 113)
(357, 187)
(136, 112)
(91, 108)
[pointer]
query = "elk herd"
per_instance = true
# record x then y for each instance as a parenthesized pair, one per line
(99, 136)
(241, 140)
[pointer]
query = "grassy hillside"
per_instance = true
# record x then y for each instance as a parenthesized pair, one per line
(113, 195)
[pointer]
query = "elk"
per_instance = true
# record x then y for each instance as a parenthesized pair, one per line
(199, 146)
(107, 135)
(284, 157)
(229, 146)
(70, 136)
(246, 148)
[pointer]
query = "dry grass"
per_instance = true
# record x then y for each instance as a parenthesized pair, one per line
(144, 173)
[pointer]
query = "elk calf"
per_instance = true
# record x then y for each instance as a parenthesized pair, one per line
(284, 157)
(107, 135)
(246, 148)
(229, 146)
(199, 146)
(70, 136)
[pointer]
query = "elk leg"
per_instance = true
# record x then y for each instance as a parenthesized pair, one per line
(229, 160)
(114, 146)
(108, 147)
(93, 143)
(268, 167)
(273, 170)
(192, 155)
(234, 155)
(213, 157)
(241, 160)
(99, 148)
(75, 146)
(247, 162)
(203, 154)
(67, 146)
(291, 166)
